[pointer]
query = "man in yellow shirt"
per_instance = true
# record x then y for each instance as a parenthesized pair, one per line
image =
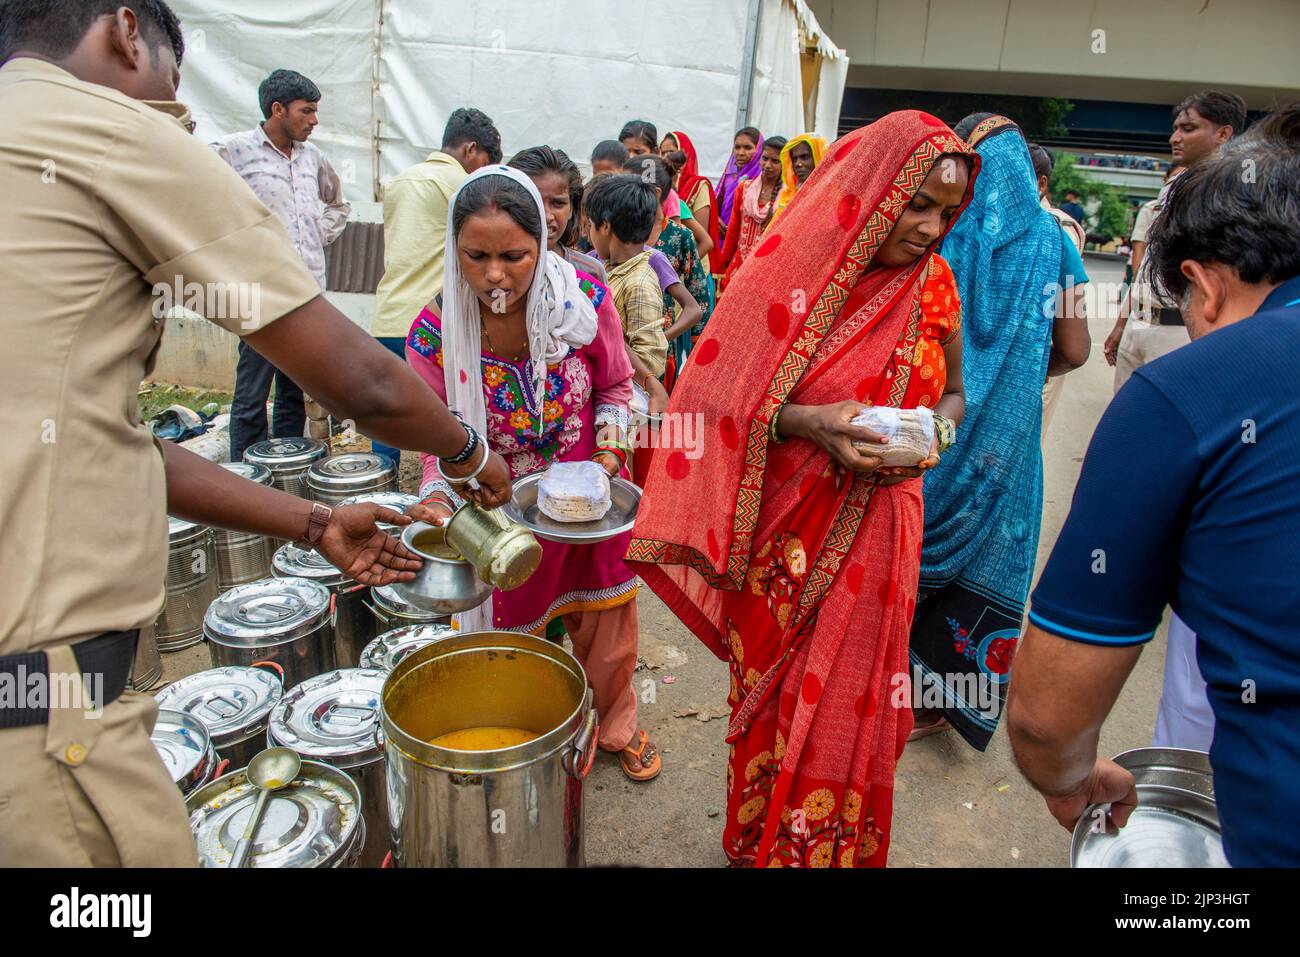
(416, 204)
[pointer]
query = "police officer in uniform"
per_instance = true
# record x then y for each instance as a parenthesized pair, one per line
(109, 198)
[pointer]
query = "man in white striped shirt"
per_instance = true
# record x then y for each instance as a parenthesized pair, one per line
(296, 182)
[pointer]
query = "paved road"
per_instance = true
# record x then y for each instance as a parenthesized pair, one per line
(953, 807)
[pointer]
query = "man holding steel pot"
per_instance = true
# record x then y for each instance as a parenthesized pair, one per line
(113, 205)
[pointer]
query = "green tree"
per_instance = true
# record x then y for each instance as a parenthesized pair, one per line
(1108, 214)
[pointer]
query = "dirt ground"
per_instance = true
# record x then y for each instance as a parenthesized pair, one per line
(953, 806)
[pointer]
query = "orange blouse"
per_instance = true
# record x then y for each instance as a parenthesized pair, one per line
(940, 324)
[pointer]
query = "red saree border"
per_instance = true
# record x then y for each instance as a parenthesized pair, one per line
(792, 366)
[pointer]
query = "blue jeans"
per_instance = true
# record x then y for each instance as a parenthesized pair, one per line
(397, 346)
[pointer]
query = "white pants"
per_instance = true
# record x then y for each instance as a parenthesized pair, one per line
(1143, 343)
(1184, 718)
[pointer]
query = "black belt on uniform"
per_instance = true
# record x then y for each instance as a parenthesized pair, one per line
(105, 660)
(1166, 316)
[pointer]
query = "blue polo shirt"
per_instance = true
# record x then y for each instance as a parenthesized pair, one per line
(1190, 497)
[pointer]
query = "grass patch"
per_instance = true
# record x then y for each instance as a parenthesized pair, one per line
(157, 396)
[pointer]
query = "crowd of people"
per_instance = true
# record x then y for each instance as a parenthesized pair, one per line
(909, 265)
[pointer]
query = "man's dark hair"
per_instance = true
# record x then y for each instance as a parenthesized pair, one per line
(1240, 208)
(1221, 109)
(1043, 160)
(653, 169)
(1071, 192)
(966, 126)
(537, 160)
(498, 192)
(284, 87)
(642, 130)
(609, 151)
(53, 28)
(468, 125)
(627, 203)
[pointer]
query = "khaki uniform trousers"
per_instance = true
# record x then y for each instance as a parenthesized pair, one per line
(1142, 343)
(86, 791)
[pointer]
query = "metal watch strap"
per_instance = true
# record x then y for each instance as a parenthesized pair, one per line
(319, 518)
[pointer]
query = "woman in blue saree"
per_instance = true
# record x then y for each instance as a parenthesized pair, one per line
(983, 502)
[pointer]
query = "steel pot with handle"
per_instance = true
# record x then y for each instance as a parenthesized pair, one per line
(243, 556)
(191, 585)
(288, 461)
(334, 718)
(147, 667)
(519, 805)
(333, 479)
(389, 650)
(354, 625)
(288, 621)
(234, 703)
(397, 501)
(391, 611)
(185, 747)
(315, 821)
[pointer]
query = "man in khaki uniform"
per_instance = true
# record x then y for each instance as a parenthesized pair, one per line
(109, 199)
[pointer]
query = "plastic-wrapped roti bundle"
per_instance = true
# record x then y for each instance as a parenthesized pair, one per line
(574, 492)
(910, 433)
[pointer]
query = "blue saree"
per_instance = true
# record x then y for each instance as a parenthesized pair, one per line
(983, 502)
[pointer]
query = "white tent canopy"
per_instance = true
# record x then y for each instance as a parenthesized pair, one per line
(568, 73)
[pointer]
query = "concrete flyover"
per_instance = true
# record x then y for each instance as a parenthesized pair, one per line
(1123, 63)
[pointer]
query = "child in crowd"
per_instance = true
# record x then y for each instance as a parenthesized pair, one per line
(608, 157)
(675, 208)
(640, 137)
(676, 242)
(621, 211)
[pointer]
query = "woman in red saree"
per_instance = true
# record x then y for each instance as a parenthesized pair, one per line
(697, 192)
(790, 554)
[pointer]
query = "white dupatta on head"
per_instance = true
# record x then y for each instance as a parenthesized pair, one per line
(558, 317)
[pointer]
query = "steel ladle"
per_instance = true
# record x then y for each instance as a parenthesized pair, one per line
(270, 770)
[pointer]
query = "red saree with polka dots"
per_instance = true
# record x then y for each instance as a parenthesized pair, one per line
(797, 573)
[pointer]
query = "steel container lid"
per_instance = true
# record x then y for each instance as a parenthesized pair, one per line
(387, 651)
(181, 530)
(249, 470)
(271, 611)
(293, 454)
(397, 501)
(182, 742)
(313, 822)
(392, 604)
(349, 472)
(290, 561)
(332, 717)
(232, 702)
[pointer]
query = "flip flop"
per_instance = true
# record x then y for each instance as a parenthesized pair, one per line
(647, 773)
(925, 730)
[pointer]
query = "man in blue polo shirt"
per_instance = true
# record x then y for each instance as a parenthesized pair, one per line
(1212, 433)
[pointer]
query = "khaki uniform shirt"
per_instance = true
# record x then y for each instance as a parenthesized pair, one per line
(416, 207)
(104, 198)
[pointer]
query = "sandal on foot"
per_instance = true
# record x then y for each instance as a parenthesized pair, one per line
(648, 771)
(925, 730)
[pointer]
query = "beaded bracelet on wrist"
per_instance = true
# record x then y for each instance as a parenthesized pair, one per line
(471, 444)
